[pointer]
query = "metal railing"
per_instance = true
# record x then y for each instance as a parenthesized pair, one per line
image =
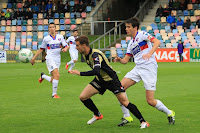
(117, 35)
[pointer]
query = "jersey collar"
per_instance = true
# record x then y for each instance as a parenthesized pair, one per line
(135, 37)
(52, 37)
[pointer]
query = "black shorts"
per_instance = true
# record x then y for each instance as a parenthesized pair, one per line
(113, 85)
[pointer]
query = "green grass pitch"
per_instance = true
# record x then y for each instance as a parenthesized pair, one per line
(26, 105)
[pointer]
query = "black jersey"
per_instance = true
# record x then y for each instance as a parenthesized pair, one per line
(100, 65)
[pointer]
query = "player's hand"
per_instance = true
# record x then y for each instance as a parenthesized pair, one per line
(117, 59)
(75, 72)
(33, 61)
(65, 49)
(146, 56)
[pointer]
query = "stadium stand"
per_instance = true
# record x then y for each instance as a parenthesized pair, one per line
(29, 19)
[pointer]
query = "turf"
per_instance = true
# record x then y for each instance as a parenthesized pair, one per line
(27, 106)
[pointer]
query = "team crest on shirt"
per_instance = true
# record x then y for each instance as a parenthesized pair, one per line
(96, 59)
(59, 39)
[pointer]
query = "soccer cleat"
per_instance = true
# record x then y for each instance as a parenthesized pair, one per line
(94, 118)
(41, 79)
(125, 121)
(144, 125)
(66, 66)
(55, 96)
(69, 71)
(171, 118)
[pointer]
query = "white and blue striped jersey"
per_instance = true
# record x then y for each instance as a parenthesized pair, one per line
(139, 46)
(72, 44)
(53, 46)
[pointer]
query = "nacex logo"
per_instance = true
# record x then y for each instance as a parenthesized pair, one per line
(171, 55)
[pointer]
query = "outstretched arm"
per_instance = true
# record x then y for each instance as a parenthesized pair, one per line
(33, 59)
(123, 61)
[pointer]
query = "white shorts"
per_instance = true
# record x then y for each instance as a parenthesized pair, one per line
(52, 64)
(74, 56)
(146, 73)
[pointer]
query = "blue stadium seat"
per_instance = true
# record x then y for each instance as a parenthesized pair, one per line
(7, 40)
(183, 34)
(34, 16)
(119, 53)
(62, 21)
(78, 14)
(72, 15)
(68, 34)
(183, 38)
(107, 53)
(62, 27)
(71, 3)
(157, 35)
(192, 27)
(56, 15)
(14, 22)
(175, 45)
(18, 40)
(185, 12)
(40, 28)
(29, 37)
(153, 25)
(123, 41)
(24, 28)
(9, 5)
(46, 33)
(51, 20)
(19, 22)
(155, 28)
(45, 27)
(88, 9)
(7, 37)
(67, 27)
(34, 47)
(188, 45)
(197, 37)
(175, 31)
(124, 45)
(18, 43)
(167, 28)
(6, 47)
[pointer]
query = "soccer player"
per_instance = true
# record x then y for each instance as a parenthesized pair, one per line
(140, 47)
(73, 51)
(106, 78)
(52, 44)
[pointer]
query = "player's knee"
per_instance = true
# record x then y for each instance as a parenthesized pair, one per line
(83, 97)
(57, 76)
(75, 61)
(150, 102)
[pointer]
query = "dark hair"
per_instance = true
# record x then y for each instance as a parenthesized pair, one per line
(75, 30)
(134, 22)
(83, 40)
(51, 23)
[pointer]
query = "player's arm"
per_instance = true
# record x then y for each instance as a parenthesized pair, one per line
(37, 53)
(155, 46)
(123, 61)
(96, 68)
(65, 45)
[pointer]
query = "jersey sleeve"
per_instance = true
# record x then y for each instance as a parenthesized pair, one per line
(44, 44)
(97, 59)
(129, 50)
(147, 37)
(63, 42)
(68, 40)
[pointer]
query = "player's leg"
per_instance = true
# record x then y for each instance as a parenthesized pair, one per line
(85, 95)
(55, 76)
(133, 109)
(159, 106)
(71, 61)
(72, 65)
(126, 83)
(149, 77)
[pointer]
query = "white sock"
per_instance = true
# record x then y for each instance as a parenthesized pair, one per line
(55, 86)
(125, 111)
(72, 66)
(70, 62)
(160, 106)
(48, 78)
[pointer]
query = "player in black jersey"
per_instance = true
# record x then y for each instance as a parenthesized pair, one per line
(105, 78)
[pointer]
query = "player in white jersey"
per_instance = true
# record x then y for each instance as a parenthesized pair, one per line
(140, 47)
(52, 44)
(73, 51)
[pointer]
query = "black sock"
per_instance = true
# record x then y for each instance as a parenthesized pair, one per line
(134, 110)
(91, 106)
